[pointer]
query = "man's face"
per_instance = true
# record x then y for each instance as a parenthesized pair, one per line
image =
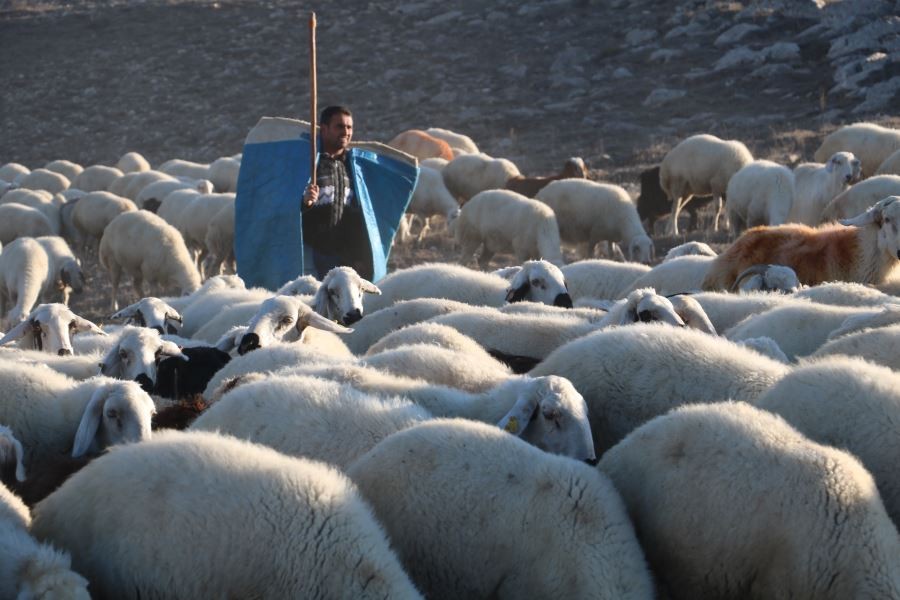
(336, 133)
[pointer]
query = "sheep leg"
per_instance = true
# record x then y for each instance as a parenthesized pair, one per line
(115, 272)
(139, 285)
(720, 204)
(485, 259)
(467, 253)
(426, 227)
(677, 205)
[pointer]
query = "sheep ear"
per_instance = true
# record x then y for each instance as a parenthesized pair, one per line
(174, 316)
(829, 166)
(369, 287)
(90, 423)
(111, 366)
(171, 349)
(519, 287)
(314, 319)
(228, 341)
(85, 325)
(873, 215)
(17, 332)
(320, 301)
(518, 417)
(508, 273)
(126, 313)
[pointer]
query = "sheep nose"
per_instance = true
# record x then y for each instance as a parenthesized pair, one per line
(352, 317)
(64, 352)
(645, 316)
(563, 300)
(145, 381)
(592, 461)
(249, 342)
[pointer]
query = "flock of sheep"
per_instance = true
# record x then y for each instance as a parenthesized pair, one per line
(711, 426)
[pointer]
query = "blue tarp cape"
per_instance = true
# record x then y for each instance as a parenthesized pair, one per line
(268, 232)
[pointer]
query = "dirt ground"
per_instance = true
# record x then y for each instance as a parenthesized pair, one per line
(535, 82)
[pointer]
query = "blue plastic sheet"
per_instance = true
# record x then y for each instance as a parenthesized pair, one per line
(268, 227)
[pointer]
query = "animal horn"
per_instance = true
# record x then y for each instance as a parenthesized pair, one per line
(749, 272)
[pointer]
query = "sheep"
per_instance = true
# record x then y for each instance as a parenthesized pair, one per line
(64, 275)
(44, 179)
(136, 182)
(441, 366)
(213, 285)
(891, 165)
(24, 267)
(66, 168)
(78, 366)
(193, 220)
(699, 165)
(690, 249)
(12, 454)
(149, 249)
(767, 278)
(223, 172)
(430, 197)
(850, 404)
(536, 309)
(178, 379)
(504, 221)
(601, 279)
(437, 164)
(283, 318)
(461, 144)
(151, 197)
(92, 213)
(421, 145)
(96, 178)
(11, 171)
(845, 293)
(675, 276)
(870, 142)
(863, 249)
(184, 168)
(653, 204)
(573, 168)
(888, 314)
(379, 323)
(799, 329)
(760, 193)
(878, 345)
(538, 281)
(581, 545)
(858, 198)
(136, 355)
(132, 162)
(468, 174)
(118, 185)
(51, 414)
(726, 310)
(215, 303)
(816, 185)
(174, 203)
(297, 529)
(30, 569)
(153, 313)
(50, 205)
(19, 221)
(435, 334)
(638, 372)
(710, 487)
(48, 328)
(589, 212)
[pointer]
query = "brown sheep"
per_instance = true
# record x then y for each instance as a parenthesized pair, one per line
(529, 186)
(421, 145)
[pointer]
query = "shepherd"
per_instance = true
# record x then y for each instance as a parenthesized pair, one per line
(300, 211)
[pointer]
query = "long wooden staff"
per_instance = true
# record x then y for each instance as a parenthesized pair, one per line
(312, 97)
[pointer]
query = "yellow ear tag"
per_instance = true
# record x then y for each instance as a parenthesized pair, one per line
(512, 426)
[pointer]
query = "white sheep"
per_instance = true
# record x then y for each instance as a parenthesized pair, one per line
(153, 313)
(589, 212)
(563, 531)
(174, 203)
(700, 165)
(767, 347)
(29, 569)
(49, 328)
(282, 318)
(816, 185)
(78, 366)
(504, 221)
(864, 249)
(891, 165)
(193, 221)
(66, 168)
(638, 372)
(870, 142)
(144, 246)
(50, 205)
(133, 183)
(92, 213)
(858, 198)
(64, 275)
(215, 284)
(601, 279)
(760, 193)
(185, 168)
(435, 334)
(459, 143)
(846, 293)
(214, 303)
(675, 276)
(24, 267)
(435, 163)
(726, 310)
(379, 323)
(430, 197)
(11, 171)
(536, 309)
(767, 278)
(136, 354)
(538, 281)
(878, 345)
(882, 316)
(690, 248)
(96, 178)
(223, 172)
(710, 487)
(799, 329)
(468, 174)
(53, 415)
(849, 404)
(20, 221)
(132, 162)
(219, 242)
(44, 179)
(151, 197)
(296, 528)
(440, 366)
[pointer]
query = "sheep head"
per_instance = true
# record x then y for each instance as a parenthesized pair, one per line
(642, 305)
(153, 313)
(641, 249)
(767, 278)
(538, 281)
(49, 328)
(282, 318)
(550, 414)
(884, 214)
(305, 285)
(118, 412)
(339, 298)
(844, 167)
(71, 275)
(137, 355)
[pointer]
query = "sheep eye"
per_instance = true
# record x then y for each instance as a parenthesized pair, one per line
(284, 322)
(123, 354)
(112, 413)
(71, 325)
(645, 316)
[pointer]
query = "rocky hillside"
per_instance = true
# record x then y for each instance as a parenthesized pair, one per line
(616, 82)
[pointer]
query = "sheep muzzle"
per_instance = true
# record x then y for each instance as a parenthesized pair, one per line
(563, 300)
